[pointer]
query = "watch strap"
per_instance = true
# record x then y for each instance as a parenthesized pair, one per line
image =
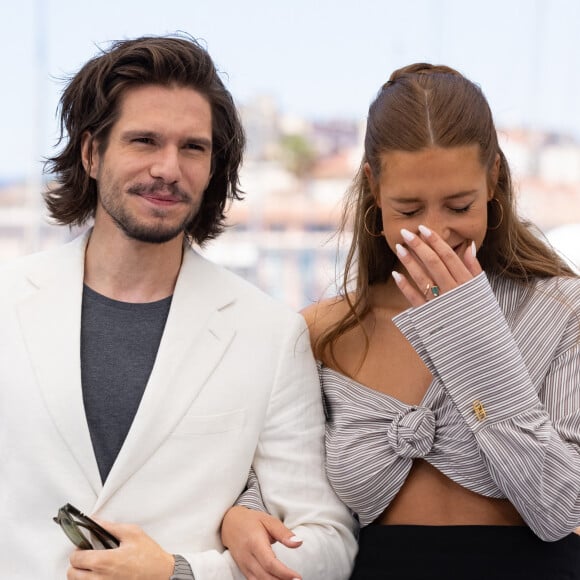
(181, 569)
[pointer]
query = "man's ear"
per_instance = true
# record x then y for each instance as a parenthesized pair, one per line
(89, 154)
(373, 185)
(493, 177)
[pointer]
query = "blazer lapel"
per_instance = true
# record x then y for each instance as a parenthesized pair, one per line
(195, 338)
(50, 319)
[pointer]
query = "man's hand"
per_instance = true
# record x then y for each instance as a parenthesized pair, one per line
(248, 534)
(137, 558)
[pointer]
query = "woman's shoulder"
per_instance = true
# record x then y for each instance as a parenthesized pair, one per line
(555, 298)
(561, 284)
(560, 290)
(563, 292)
(555, 287)
(322, 315)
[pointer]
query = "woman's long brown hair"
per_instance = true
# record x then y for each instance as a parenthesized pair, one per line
(422, 106)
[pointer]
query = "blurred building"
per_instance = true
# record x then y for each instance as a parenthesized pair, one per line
(282, 236)
(546, 170)
(262, 125)
(24, 226)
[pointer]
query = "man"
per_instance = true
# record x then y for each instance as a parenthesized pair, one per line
(139, 381)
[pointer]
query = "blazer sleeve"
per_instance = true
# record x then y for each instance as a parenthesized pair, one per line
(289, 465)
(528, 431)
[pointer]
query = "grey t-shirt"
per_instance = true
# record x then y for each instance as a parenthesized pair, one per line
(119, 343)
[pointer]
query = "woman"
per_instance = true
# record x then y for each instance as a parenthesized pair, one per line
(450, 364)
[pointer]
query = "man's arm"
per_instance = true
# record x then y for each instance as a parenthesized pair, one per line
(289, 464)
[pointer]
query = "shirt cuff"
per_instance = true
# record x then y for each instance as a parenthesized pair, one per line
(464, 339)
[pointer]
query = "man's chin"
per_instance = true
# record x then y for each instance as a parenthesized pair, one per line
(152, 236)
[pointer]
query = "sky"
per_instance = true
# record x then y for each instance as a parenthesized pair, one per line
(322, 59)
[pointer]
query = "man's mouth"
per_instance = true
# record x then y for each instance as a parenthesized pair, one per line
(160, 198)
(159, 194)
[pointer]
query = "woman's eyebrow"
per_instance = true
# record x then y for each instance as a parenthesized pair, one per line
(447, 197)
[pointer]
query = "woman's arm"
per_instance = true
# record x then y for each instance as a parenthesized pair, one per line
(248, 531)
(517, 387)
(248, 534)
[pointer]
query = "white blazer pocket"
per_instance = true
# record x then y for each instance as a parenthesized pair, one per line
(192, 425)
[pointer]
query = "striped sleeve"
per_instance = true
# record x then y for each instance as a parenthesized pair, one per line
(528, 435)
(251, 497)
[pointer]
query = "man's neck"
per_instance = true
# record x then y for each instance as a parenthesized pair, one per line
(129, 270)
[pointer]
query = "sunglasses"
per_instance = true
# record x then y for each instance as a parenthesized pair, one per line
(83, 532)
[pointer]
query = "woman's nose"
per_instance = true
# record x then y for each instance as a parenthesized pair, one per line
(438, 224)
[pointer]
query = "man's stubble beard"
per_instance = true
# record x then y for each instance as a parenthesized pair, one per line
(151, 234)
(133, 228)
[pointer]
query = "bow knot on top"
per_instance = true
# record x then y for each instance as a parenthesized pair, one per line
(412, 432)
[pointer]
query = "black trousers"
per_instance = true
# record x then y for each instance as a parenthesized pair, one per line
(463, 553)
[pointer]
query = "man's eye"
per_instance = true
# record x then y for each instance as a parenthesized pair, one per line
(145, 140)
(196, 147)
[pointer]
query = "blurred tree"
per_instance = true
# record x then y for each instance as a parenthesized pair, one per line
(298, 155)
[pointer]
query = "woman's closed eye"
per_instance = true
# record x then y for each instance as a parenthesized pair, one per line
(462, 209)
(417, 211)
(410, 213)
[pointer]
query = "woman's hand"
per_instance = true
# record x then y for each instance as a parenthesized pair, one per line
(432, 265)
(248, 534)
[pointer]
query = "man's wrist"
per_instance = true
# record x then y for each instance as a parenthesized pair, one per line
(181, 569)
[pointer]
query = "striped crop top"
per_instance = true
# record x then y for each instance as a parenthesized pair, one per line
(501, 416)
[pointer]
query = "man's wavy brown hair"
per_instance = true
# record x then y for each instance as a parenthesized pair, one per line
(90, 104)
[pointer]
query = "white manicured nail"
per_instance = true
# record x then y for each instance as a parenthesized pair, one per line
(401, 251)
(407, 235)
(473, 249)
(425, 231)
(396, 276)
(295, 539)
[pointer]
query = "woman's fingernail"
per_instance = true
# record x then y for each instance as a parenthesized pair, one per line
(295, 539)
(407, 235)
(425, 231)
(396, 276)
(401, 251)
(473, 249)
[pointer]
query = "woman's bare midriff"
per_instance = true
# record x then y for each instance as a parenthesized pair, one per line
(430, 498)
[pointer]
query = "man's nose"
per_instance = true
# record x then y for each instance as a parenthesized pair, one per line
(166, 165)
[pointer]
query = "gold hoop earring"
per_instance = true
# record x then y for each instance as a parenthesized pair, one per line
(497, 226)
(365, 223)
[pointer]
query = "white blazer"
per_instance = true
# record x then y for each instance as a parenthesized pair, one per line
(234, 384)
